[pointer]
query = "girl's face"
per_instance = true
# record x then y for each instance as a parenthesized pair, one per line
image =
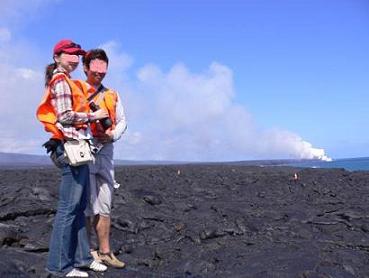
(67, 61)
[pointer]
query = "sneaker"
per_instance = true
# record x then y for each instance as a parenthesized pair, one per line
(95, 256)
(76, 273)
(98, 267)
(110, 260)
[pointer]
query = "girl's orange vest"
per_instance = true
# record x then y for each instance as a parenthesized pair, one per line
(108, 103)
(46, 113)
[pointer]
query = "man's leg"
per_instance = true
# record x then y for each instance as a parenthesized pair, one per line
(105, 181)
(102, 227)
(103, 233)
(102, 209)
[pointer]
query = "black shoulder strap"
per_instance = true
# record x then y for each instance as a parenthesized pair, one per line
(99, 90)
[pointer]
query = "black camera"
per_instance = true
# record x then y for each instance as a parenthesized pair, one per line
(106, 122)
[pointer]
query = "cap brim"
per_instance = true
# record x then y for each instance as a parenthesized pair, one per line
(74, 51)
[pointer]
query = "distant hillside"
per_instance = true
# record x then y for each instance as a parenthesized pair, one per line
(23, 160)
(31, 160)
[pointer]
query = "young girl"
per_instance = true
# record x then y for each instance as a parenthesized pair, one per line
(64, 112)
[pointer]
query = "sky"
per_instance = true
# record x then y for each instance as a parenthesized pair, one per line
(202, 80)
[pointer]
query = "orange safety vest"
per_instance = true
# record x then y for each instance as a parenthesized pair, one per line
(46, 112)
(108, 102)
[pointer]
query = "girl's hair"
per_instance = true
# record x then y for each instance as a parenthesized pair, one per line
(49, 72)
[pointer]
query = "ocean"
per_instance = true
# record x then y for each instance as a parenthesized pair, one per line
(351, 164)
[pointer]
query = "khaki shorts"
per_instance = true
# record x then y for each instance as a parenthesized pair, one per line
(101, 182)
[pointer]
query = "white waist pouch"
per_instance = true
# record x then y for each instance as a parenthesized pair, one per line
(77, 152)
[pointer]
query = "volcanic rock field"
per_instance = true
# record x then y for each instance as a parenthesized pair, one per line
(204, 220)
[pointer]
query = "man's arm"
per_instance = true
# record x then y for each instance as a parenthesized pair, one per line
(120, 121)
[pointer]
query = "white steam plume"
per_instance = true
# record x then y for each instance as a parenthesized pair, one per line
(180, 115)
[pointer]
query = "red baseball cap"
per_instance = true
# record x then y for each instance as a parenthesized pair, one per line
(69, 47)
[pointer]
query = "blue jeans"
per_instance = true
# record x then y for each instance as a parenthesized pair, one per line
(69, 246)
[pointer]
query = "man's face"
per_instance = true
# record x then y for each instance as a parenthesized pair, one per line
(96, 72)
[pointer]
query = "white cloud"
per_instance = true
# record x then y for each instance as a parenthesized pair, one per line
(118, 60)
(21, 82)
(28, 74)
(180, 115)
(21, 91)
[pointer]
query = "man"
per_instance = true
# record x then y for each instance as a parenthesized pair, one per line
(102, 183)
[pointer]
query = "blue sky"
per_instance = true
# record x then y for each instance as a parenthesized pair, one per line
(207, 80)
